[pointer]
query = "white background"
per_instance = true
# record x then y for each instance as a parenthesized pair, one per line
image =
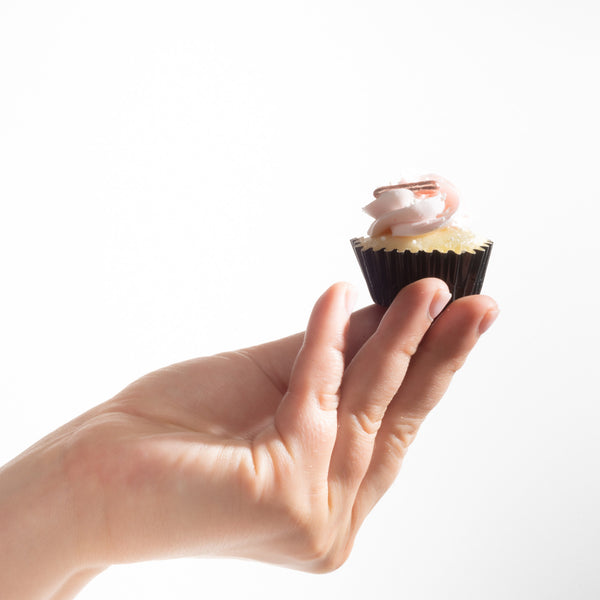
(180, 178)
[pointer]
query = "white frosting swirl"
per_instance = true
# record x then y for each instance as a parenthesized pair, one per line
(410, 209)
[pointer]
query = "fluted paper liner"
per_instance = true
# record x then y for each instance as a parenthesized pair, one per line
(388, 271)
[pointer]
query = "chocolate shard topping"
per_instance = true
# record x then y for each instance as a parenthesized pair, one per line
(416, 186)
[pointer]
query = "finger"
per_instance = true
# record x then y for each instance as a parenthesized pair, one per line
(375, 375)
(277, 358)
(442, 352)
(306, 418)
(363, 324)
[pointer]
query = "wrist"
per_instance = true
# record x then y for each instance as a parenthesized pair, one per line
(42, 546)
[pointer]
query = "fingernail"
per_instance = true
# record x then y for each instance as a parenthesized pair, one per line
(438, 303)
(488, 320)
(351, 297)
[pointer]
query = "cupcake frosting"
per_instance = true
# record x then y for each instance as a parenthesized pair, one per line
(410, 209)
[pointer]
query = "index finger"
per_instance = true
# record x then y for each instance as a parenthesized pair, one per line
(306, 419)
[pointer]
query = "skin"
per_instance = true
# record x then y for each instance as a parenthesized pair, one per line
(275, 453)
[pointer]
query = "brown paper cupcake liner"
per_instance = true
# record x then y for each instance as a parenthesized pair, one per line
(388, 271)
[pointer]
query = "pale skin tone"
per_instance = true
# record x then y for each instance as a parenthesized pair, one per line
(275, 453)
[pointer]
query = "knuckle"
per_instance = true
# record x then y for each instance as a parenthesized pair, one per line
(328, 401)
(368, 423)
(455, 363)
(408, 345)
(443, 356)
(313, 540)
(404, 346)
(335, 558)
(330, 563)
(324, 546)
(402, 434)
(317, 551)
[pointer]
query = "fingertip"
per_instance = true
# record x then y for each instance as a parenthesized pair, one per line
(439, 302)
(427, 285)
(488, 319)
(493, 305)
(429, 292)
(476, 313)
(343, 293)
(331, 314)
(477, 304)
(351, 297)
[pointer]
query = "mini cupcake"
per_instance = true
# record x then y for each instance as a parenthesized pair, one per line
(416, 234)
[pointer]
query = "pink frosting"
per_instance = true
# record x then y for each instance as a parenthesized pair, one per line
(410, 209)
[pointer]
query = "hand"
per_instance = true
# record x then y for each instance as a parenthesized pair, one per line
(276, 452)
